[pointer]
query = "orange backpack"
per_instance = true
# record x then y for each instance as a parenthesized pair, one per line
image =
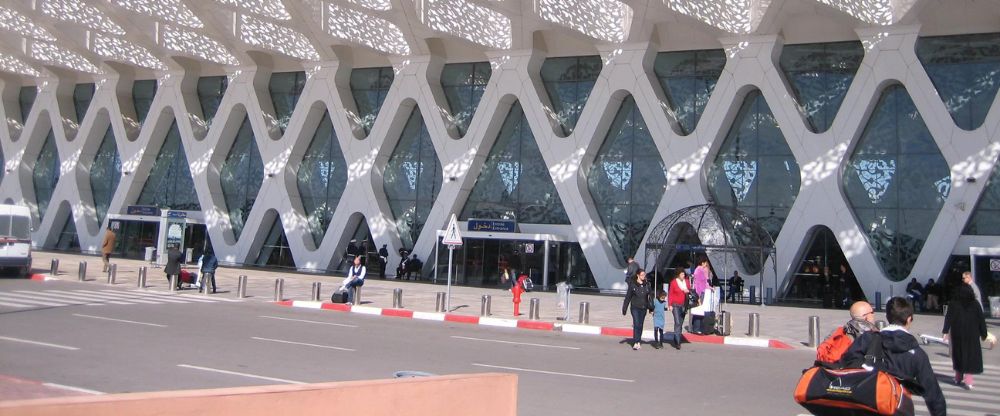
(833, 347)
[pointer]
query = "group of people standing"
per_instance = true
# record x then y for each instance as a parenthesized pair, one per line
(683, 293)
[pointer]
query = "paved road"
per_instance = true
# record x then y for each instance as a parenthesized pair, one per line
(121, 340)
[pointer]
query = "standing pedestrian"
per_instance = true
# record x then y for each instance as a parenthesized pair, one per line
(679, 288)
(701, 285)
(516, 289)
(107, 246)
(659, 320)
(639, 300)
(208, 265)
(173, 266)
(964, 327)
(967, 279)
(383, 260)
(631, 268)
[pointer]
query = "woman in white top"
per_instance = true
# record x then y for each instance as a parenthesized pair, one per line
(355, 278)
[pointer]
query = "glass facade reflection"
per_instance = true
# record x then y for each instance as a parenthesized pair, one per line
(26, 99)
(569, 81)
(688, 79)
(322, 178)
(68, 239)
(369, 86)
(241, 176)
(285, 89)
(819, 75)
(45, 174)
(627, 180)
(985, 220)
(515, 183)
(896, 182)
(412, 179)
(169, 184)
(965, 70)
(105, 174)
(754, 170)
(143, 93)
(82, 95)
(210, 93)
(463, 86)
(275, 251)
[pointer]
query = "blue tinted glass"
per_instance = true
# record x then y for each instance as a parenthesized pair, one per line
(568, 82)
(463, 86)
(275, 251)
(143, 93)
(688, 79)
(755, 170)
(985, 219)
(82, 95)
(242, 175)
(896, 182)
(210, 93)
(369, 87)
(169, 184)
(105, 174)
(68, 239)
(285, 89)
(820, 74)
(412, 179)
(626, 180)
(965, 71)
(322, 178)
(45, 174)
(515, 183)
(26, 99)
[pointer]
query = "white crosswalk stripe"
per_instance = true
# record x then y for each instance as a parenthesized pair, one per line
(29, 299)
(981, 401)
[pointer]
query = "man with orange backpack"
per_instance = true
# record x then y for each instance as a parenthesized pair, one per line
(830, 351)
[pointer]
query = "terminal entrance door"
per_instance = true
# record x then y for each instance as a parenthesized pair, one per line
(134, 237)
(484, 260)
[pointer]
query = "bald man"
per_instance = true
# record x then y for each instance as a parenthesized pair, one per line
(829, 352)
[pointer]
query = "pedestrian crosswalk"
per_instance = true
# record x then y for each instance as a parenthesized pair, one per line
(983, 400)
(31, 299)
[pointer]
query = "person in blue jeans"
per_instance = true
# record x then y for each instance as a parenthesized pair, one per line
(659, 320)
(208, 265)
(638, 299)
(679, 287)
(355, 278)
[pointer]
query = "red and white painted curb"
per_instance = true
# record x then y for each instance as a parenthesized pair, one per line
(528, 324)
(42, 277)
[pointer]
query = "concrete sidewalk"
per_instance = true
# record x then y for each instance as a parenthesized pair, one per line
(786, 324)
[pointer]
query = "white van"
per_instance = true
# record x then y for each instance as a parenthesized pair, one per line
(15, 238)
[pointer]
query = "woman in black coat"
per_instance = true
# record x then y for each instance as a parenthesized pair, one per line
(965, 325)
(638, 298)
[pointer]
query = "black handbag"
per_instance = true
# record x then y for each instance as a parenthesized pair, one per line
(691, 299)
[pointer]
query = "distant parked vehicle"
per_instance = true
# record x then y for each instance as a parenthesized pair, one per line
(15, 238)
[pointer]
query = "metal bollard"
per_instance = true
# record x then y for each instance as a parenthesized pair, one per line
(397, 298)
(727, 323)
(754, 324)
(533, 309)
(813, 331)
(439, 302)
(878, 301)
(140, 282)
(173, 282)
(880, 324)
(54, 268)
(82, 273)
(485, 306)
(316, 290)
(112, 274)
(241, 286)
(584, 313)
(357, 295)
(279, 289)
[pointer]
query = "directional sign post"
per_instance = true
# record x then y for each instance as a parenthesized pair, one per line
(453, 238)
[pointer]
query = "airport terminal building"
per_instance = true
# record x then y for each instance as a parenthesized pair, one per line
(862, 136)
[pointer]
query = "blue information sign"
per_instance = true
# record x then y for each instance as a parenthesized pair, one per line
(177, 214)
(143, 210)
(503, 226)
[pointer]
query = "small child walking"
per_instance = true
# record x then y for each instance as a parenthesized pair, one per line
(659, 320)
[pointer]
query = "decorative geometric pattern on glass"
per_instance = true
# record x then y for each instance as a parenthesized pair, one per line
(259, 32)
(105, 174)
(14, 65)
(274, 9)
(896, 182)
(464, 85)
(755, 170)
(820, 74)
(210, 93)
(285, 89)
(242, 175)
(55, 55)
(369, 86)
(16, 22)
(985, 219)
(627, 180)
(568, 82)
(170, 10)
(373, 32)
(965, 71)
(515, 183)
(380, 5)
(188, 42)
(607, 20)
(45, 174)
(82, 95)
(118, 49)
(26, 100)
(733, 16)
(322, 178)
(76, 11)
(412, 179)
(170, 185)
(468, 21)
(688, 79)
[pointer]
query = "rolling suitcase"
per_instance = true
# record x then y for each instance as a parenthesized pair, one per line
(339, 297)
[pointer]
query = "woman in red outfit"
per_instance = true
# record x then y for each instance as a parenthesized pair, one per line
(517, 290)
(679, 287)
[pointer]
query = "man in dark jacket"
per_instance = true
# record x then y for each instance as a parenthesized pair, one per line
(208, 265)
(173, 267)
(904, 358)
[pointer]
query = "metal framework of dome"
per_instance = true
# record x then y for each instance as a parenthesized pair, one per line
(730, 238)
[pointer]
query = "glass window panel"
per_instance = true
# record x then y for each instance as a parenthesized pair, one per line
(965, 71)
(241, 176)
(143, 92)
(26, 99)
(463, 86)
(412, 179)
(322, 178)
(569, 82)
(369, 86)
(985, 219)
(896, 182)
(68, 239)
(170, 185)
(45, 174)
(105, 174)
(82, 95)
(210, 93)
(275, 251)
(819, 75)
(285, 89)
(688, 79)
